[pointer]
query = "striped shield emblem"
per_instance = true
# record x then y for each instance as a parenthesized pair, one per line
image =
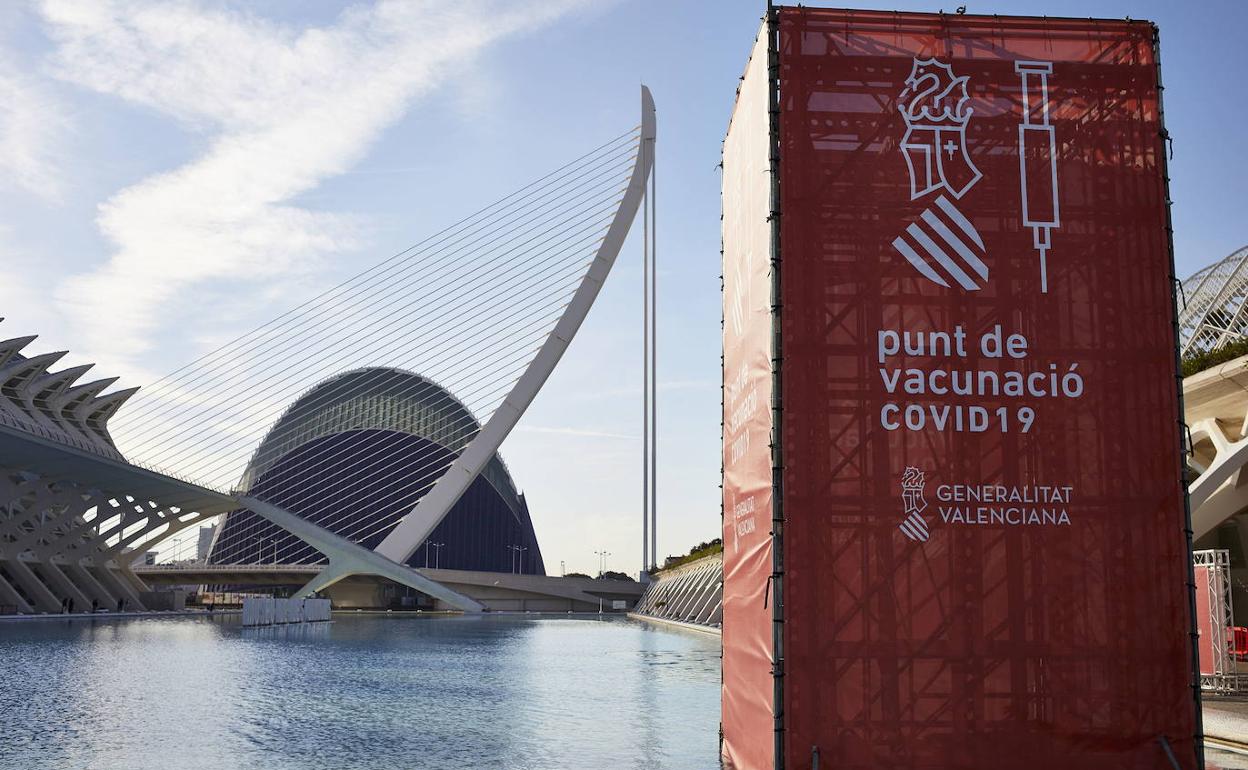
(944, 247)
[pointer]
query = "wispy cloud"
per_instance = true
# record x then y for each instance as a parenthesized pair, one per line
(33, 126)
(281, 110)
(580, 432)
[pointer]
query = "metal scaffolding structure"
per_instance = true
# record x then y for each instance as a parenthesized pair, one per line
(1218, 668)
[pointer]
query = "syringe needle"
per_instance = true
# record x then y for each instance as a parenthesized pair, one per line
(1044, 273)
(1037, 159)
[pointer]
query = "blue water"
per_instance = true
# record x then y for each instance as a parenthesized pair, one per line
(361, 692)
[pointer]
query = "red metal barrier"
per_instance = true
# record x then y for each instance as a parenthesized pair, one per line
(1239, 642)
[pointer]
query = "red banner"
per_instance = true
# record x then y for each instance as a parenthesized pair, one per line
(985, 560)
(747, 627)
(1205, 623)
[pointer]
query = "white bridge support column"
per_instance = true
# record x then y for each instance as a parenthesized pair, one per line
(414, 528)
(1221, 489)
(1216, 410)
(347, 558)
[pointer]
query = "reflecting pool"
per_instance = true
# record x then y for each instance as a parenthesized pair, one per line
(362, 692)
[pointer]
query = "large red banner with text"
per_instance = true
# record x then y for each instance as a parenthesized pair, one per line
(985, 559)
(748, 690)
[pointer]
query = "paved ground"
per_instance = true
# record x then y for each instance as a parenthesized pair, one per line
(1216, 759)
(1226, 717)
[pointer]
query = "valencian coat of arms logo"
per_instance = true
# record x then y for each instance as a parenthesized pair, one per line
(914, 526)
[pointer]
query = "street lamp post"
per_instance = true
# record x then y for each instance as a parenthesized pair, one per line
(602, 561)
(273, 542)
(437, 555)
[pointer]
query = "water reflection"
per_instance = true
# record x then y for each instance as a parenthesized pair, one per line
(362, 692)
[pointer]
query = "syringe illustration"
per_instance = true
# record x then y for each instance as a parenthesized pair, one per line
(1037, 160)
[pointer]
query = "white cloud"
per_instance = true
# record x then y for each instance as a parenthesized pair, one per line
(281, 109)
(33, 125)
(17, 299)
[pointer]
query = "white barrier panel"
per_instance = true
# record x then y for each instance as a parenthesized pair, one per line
(317, 609)
(268, 611)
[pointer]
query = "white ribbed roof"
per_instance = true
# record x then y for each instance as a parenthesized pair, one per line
(53, 404)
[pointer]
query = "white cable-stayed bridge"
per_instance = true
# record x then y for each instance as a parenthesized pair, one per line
(425, 362)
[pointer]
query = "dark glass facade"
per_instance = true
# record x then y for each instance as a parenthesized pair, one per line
(355, 455)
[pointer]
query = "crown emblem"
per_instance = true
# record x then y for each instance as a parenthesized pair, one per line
(934, 96)
(912, 479)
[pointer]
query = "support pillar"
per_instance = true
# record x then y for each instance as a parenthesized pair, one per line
(120, 588)
(137, 586)
(44, 599)
(347, 558)
(10, 595)
(64, 586)
(90, 586)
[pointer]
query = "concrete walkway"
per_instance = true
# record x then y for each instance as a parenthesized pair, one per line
(1226, 719)
(715, 630)
(117, 615)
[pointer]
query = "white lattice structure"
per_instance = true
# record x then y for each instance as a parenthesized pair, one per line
(1214, 311)
(1213, 303)
(691, 593)
(66, 544)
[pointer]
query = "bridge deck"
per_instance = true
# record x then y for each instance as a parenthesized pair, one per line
(481, 586)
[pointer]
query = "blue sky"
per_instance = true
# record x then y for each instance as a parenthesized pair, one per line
(157, 194)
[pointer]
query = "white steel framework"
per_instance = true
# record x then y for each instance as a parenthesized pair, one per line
(1214, 304)
(691, 593)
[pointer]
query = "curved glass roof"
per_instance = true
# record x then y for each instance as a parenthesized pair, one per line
(1213, 305)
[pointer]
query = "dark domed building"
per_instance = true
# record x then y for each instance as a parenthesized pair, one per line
(354, 455)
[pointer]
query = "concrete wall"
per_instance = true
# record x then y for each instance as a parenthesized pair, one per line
(164, 600)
